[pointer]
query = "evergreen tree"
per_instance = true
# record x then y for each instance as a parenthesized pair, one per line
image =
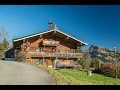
(1, 50)
(93, 50)
(5, 44)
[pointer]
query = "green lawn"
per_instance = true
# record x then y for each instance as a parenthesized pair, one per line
(80, 77)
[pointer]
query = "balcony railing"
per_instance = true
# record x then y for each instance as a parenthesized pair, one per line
(60, 55)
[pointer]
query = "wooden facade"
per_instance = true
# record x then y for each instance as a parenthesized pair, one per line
(48, 46)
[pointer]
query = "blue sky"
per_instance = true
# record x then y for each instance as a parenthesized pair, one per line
(93, 24)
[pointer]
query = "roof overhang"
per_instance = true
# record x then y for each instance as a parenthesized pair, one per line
(22, 38)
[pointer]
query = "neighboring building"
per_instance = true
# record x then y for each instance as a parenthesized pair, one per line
(49, 46)
(9, 54)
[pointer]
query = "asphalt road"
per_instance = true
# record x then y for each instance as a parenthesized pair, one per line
(17, 73)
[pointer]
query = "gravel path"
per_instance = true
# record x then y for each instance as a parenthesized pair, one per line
(17, 73)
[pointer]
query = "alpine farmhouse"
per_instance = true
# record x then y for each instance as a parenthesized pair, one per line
(49, 46)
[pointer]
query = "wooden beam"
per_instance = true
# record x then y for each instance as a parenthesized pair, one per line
(40, 36)
(81, 44)
(54, 31)
(23, 40)
(67, 38)
(56, 58)
(52, 63)
(26, 40)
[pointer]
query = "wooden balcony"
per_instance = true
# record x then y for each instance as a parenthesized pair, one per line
(50, 42)
(60, 55)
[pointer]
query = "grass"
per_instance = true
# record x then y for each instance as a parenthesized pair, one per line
(72, 77)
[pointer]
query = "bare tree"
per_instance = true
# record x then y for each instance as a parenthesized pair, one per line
(4, 43)
(87, 60)
(3, 33)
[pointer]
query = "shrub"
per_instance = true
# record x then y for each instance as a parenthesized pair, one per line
(21, 56)
(96, 64)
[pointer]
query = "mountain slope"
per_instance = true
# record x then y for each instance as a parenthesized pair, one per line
(104, 54)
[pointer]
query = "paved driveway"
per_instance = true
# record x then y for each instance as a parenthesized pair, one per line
(17, 73)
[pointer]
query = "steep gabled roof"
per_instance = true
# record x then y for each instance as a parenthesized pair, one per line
(14, 40)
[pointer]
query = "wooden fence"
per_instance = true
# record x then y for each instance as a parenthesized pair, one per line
(110, 69)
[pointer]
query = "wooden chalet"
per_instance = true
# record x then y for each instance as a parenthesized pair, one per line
(50, 46)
